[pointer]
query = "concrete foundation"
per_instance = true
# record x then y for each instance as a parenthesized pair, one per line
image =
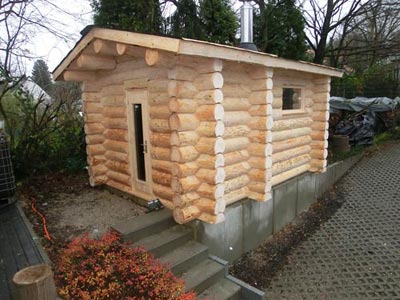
(248, 222)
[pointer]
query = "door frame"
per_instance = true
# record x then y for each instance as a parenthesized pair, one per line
(139, 97)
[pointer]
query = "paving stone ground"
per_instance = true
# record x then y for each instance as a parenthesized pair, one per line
(356, 254)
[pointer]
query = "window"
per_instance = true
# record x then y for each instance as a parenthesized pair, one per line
(291, 98)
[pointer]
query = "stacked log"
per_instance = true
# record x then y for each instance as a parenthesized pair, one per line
(261, 124)
(236, 90)
(291, 132)
(320, 116)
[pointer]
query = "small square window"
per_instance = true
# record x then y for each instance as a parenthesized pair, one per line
(291, 98)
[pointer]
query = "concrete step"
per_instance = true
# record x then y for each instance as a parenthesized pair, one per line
(203, 275)
(184, 257)
(165, 241)
(223, 289)
(136, 228)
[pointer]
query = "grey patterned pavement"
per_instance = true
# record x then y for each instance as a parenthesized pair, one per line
(356, 254)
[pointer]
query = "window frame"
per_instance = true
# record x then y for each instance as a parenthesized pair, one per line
(300, 110)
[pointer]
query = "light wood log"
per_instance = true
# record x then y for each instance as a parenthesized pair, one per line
(320, 126)
(96, 160)
(185, 185)
(319, 144)
(211, 129)
(211, 176)
(184, 154)
(260, 150)
(97, 149)
(95, 62)
(151, 57)
(291, 143)
(261, 97)
(161, 178)
(118, 177)
(260, 72)
(182, 105)
(206, 190)
(160, 153)
(116, 134)
(184, 138)
(162, 165)
(288, 124)
(233, 118)
(236, 144)
(209, 97)
(116, 146)
(236, 170)
(210, 112)
(278, 136)
(137, 83)
(182, 73)
(261, 123)
(158, 85)
(160, 139)
(321, 116)
(235, 157)
(258, 175)
(99, 180)
(79, 76)
(92, 108)
(320, 135)
(290, 153)
(184, 169)
(261, 84)
(181, 89)
(236, 104)
(236, 195)
(209, 66)
(209, 81)
(186, 214)
(318, 163)
(159, 112)
(91, 97)
(117, 156)
(210, 161)
(93, 118)
(260, 162)
(289, 174)
(163, 191)
(116, 123)
(105, 48)
(124, 49)
(320, 97)
(116, 166)
(261, 110)
(321, 88)
(159, 125)
(319, 153)
(260, 197)
(207, 145)
(236, 183)
(186, 199)
(183, 122)
(92, 139)
(114, 112)
(236, 131)
(210, 206)
(260, 187)
(286, 165)
(236, 90)
(260, 136)
(34, 283)
(116, 90)
(320, 106)
(113, 100)
(98, 170)
(127, 188)
(212, 219)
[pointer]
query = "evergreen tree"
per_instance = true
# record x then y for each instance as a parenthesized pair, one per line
(132, 15)
(219, 21)
(185, 22)
(279, 29)
(41, 76)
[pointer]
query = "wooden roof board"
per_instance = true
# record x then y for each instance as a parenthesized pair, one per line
(191, 47)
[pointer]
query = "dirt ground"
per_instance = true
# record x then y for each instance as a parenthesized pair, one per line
(260, 265)
(72, 207)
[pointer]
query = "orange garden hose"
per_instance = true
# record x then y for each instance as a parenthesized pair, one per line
(46, 232)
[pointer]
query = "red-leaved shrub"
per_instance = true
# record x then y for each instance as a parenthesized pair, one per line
(96, 269)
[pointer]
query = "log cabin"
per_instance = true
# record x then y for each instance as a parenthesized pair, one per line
(197, 125)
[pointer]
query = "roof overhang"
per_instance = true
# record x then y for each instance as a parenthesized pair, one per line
(190, 47)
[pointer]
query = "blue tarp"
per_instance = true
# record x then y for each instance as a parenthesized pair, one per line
(381, 104)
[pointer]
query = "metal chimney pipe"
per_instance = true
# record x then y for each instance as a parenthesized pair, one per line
(246, 26)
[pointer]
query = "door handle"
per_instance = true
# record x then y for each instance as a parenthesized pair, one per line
(144, 147)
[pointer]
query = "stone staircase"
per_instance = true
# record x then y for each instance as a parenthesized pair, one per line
(173, 244)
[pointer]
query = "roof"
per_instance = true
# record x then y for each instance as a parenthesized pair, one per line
(185, 46)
